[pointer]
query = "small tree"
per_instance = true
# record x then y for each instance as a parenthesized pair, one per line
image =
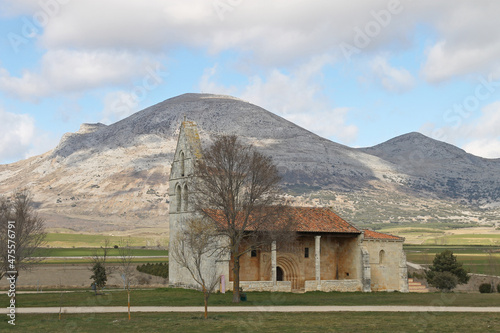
(444, 281)
(99, 276)
(98, 265)
(192, 246)
(126, 268)
(28, 228)
(446, 262)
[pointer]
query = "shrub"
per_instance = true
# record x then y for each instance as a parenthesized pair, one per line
(498, 288)
(485, 288)
(158, 269)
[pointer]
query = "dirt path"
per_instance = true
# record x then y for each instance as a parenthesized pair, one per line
(389, 308)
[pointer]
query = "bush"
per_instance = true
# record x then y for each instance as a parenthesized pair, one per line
(498, 288)
(485, 288)
(158, 269)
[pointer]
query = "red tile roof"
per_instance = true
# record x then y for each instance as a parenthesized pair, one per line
(306, 219)
(370, 234)
(314, 219)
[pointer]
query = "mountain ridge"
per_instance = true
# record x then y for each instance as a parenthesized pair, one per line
(118, 173)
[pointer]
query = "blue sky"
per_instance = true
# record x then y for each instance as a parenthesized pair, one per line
(358, 73)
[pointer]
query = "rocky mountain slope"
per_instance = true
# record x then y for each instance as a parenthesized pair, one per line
(116, 176)
(441, 169)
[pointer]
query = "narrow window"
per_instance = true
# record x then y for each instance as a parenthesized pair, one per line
(178, 198)
(185, 199)
(306, 252)
(381, 256)
(181, 156)
(253, 253)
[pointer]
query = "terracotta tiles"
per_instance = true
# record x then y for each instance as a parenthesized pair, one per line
(312, 219)
(306, 219)
(370, 234)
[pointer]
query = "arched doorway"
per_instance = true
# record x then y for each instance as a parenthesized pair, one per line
(290, 269)
(279, 274)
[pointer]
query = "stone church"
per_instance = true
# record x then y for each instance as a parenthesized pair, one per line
(330, 254)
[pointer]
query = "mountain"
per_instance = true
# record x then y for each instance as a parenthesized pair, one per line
(116, 177)
(441, 169)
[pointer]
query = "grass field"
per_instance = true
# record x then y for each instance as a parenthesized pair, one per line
(475, 258)
(87, 252)
(258, 322)
(465, 239)
(441, 235)
(81, 255)
(182, 297)
(111, 260)
(70, 240)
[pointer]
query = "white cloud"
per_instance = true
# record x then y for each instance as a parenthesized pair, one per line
(65, 71)
(468, 41)
(484, 134)
(489, 148)
(208, 84)
(480, 137)
(20, 139)
(118, 105)
(19, 7)
(296, 96)
(17, 132)
(392, 79)
(277, 32)
(488, 125)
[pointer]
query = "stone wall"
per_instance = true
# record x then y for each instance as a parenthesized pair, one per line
(334, 285)
(339, 259)
(281, 286)
(387, 265)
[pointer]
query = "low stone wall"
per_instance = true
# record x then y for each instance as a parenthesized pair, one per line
(334, 285)
(282, 286)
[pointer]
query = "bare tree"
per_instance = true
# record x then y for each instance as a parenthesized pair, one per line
(27, 232)
(238, 188)
(126, 268)
(195, 243)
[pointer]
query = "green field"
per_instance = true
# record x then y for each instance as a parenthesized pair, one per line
(111, 260)
(465, 239)
(182, 297)
(82, 255)
(475, 258)
(443, 235)
(89, 240)
(87, 252)
(258, 322)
